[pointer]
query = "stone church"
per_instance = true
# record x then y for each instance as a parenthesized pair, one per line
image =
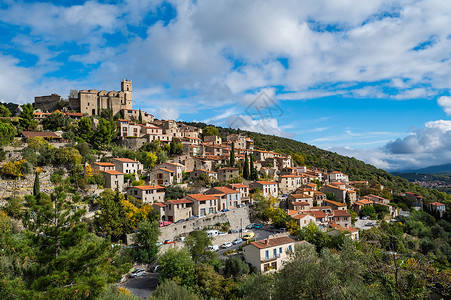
(91, 102)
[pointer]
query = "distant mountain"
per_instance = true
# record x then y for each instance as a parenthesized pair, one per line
(429, 170)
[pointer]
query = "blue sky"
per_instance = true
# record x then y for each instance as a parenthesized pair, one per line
(368, 79)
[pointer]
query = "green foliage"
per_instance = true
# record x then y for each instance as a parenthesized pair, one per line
(246, 173)
(111, 220)
(368, 210)
(27, 121)
(211, 285)
(210, 130)
(104, 134)
(236, 267)
(7, 133)
(162, 157)
(36, 186)
(173, 192)
(84, 130)
(171, 290)
(197, 243)
(312, 234)
(145, 239)
(4, 111)
(175, 148)
(178, 265)
(56, 121)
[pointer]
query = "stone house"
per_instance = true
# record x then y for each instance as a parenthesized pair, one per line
(243, 189)
(147, 193)
(227, 198)
(269, 188)
(113, 179)
(228, 173)
(127, 166)
(180, 209)
(162, 176)
(203, 204)
(177, 168)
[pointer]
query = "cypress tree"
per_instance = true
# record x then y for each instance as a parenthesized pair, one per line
(232, 155)
(253, 171)
(140, 117)
(246, 167)
(36, 187)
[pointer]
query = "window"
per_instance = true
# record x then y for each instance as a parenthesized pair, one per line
(267, 254)
(280, 250)
(275, 252)
(289, 248)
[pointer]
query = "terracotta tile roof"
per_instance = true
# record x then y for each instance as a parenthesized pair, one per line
(125, 160)
(104, 164)
(201, 197)
(113, 172)
(437, 204)
(160, 204)
(335, 203)
(272, 242)
(166, 170)
(226, 190)
(228, 168)
(341, 213)
(300, 216)
(316, 213)
(238, 185)
(148, 187)
(291, 212)
(266, 182)
(179, 201)
(363, 202)
(300, 203)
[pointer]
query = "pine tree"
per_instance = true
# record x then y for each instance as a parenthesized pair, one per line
(246, 167)
(232, 155)
(140, 117)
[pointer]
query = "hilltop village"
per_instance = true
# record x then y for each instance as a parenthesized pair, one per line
(122, 170)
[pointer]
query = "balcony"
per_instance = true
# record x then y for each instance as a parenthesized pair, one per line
(269, 259)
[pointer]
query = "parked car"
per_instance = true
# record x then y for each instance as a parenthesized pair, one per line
(244, 230)
(365, 218)
(180, 221)
(249, 236)
(224, 210)
(191, 218)
(258, 226)
(137, 273)
(233, 231)
(222, 233)
(226, 245)
(237, 241)
(158, 244)
(169, 242)
(369, 224)
(250, 226)
(213, 248)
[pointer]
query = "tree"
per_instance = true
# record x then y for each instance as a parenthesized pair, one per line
(253, 170)
(36, 187)
(177, 264)
(162, 157)
(173, 192)
(4, 111)
(197, 243)
(105, 133)
(36, 142)
(171, 290)
(210, 130)
(232, 155)
(7, 133)
(236, 267)
(146, 238)
(368, 210)
(27, 121)
(84, 130)
(111, 219)
(150, 160)
(246, 167)
(73, 93)
(55, 121)
(14, 169)
(140, 117)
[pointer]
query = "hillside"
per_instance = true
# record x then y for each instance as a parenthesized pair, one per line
(431, 170)
(357, 170)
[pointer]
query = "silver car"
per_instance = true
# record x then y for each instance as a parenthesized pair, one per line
(138, 273)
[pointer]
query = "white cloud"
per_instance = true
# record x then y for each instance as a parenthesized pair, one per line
(168, 113)
(445, 102)
(263, 125)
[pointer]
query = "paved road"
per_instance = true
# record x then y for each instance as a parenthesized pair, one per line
(142, 286)
(260, 234)
(361, 224)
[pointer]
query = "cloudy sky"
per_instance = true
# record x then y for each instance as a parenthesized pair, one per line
(369, 79)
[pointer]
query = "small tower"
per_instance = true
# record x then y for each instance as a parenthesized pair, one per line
(126, 87)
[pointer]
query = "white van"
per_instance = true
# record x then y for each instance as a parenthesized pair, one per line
(213, 248)
(212, 233)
